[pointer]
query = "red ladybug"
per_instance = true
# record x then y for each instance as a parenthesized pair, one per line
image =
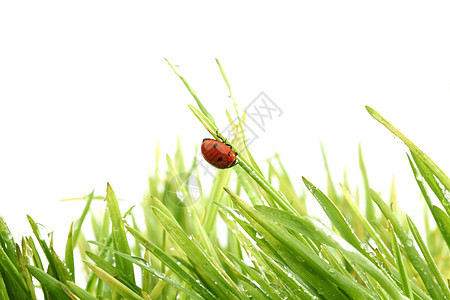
(218, 154)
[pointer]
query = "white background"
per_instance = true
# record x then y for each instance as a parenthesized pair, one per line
(85, 94)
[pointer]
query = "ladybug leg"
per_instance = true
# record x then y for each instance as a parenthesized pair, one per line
(234, 163)
(225, 142)
(221, 139)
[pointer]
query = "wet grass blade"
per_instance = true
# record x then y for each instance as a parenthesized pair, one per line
(52, 284)
(335, 216)
(370, 210)
(370, 231)
(413, 256)
(291, 249)
(221, 285)
(438, 217)
(79, 222)
(427, 255)
(193, 93)
(321, 234)
(14, 282)
(118, 232)
(406, 286)
(170, 263)
(68, 259)
(113, 283)
(81, 293)
(440, 175)
(113, 271)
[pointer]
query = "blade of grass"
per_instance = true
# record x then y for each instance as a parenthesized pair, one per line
(113, 283)
(113, 271)
(79, 222)
(14, 282)
(68, 259)
(82, 294)
(192, 92)
(322, 234)
(370, 210)
(44, 247)
(155, 272)
(288, 246)
(330, 185)
(400, 265)
(440, 175)
(222, 286)
(429, 259)
(439, 218)
(118, 232)
(170, 262)
(369, 229)
(48, 281)
(422, 269)
(335, 216)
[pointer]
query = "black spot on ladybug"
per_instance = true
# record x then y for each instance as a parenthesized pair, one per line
(229, 153)
(219, 159)
(215, 145)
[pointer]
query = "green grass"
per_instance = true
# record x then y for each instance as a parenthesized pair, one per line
(222, 246)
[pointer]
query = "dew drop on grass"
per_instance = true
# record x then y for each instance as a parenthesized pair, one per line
(258, 236)
(172, 248)
(409, 243)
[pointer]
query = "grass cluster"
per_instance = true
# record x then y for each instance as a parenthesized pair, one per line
(263, 247)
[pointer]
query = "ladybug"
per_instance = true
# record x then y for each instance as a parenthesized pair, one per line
(218, 154)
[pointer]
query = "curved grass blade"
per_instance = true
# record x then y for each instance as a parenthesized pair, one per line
(14, 282)
(367, 226)
(290, 248)
(322, 234)
(406, 286)
(154, 272)
(335, 216)
(439, 218)
(45, 248)
(330, 185)
(118, 232)
(79, 222)
(255, 275)
(193, 93)
(422, 269)
(113, 271)
(81, 293)
(370, 210)
(24, 260)
(428, 257)
(222, 286)
(440, 175)
(68, 259)
(49, 282)
(170, 263)
(9, 245)
(113, 283)
(288, 281)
